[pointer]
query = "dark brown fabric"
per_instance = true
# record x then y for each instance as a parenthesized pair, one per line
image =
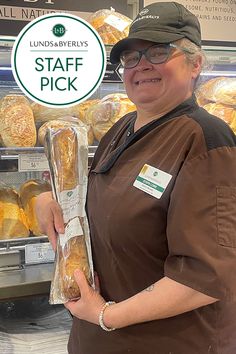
(188, 235)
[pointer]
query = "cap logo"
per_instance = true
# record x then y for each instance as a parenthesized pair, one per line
(144, 12)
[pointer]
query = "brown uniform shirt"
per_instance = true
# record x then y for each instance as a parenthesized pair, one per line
(187, 235)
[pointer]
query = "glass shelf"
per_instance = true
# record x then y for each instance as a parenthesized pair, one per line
(12, 153)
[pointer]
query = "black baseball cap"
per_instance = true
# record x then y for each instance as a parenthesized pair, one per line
(160, 22)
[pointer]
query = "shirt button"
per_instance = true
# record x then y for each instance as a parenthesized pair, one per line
(129, 133)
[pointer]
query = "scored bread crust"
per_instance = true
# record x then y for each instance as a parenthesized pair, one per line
(17, 126)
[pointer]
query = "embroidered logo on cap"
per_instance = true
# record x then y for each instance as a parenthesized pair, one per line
(144, 12)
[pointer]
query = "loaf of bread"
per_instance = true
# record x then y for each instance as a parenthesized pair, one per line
(17, 126)
(227, 113)
(13, 221)
(68, 160)
(109, 110)
(44, 114)
(225, 91)
(233, 124)
(75, 257)
(83, 107)
(220, 90)
(111, 25)
(28, 193)
(65, 152)
(60, 124)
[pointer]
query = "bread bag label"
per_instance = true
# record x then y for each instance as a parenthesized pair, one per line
(73, 202)
(72, 228)
(116, 22)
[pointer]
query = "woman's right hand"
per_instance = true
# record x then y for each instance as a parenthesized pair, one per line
(49, 216)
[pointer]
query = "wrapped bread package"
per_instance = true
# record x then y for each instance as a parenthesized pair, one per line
(111, 25)
(107, 112)
(17, 125)
(13, 221)
(67, 152)
(64, 122)
(28, 194)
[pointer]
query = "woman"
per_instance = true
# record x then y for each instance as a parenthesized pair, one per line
(161, 207)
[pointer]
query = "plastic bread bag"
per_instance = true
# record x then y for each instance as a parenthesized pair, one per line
(103, 115)
(111, 25)
(67, 152)
(64, 122)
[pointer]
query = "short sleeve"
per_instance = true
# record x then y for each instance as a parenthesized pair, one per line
(201, 225)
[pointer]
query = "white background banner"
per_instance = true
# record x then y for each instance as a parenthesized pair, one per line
(217, 18)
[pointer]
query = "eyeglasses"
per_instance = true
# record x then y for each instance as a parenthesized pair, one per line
(156, 54)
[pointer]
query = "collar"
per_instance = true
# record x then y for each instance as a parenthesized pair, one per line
(185, 107)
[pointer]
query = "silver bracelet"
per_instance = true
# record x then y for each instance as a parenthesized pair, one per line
(101, 323)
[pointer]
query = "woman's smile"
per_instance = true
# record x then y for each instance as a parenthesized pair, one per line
(147, 81)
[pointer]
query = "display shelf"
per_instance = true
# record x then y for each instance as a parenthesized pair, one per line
(12, 159)
(20, 276)
(31, 280)
(13, 243)
(12, 153)
(14, 252)
(221, 61)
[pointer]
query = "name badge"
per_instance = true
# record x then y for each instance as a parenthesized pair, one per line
(153, 181)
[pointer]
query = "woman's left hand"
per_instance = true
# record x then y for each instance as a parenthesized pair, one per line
(89, 305)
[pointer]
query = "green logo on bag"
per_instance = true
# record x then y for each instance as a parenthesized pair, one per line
(155, 173)
(59, 30)
(69, 194)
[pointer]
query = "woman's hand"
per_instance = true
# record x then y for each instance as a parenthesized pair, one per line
(89, 305)
(49, 216)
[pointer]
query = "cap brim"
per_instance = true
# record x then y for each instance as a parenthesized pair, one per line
(152, 36)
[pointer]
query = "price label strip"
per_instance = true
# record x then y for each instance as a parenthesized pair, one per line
(32, 162)
(39, 253)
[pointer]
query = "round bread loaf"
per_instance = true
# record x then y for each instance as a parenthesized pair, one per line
(17, 126)
(107, 112)
(227, 113)
(219, 89)
(44, 114)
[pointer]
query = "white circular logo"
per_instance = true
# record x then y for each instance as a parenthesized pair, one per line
(58, 60)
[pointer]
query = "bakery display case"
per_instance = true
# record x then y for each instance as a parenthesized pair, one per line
(26, 257)
(216, 91)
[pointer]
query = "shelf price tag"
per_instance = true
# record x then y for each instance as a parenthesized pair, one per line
(39, 253)
(32, 162)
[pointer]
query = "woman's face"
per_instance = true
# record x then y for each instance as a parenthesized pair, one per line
(160, 86)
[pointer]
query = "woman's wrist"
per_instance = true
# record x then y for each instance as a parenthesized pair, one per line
(101, 317)
(108, 316)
